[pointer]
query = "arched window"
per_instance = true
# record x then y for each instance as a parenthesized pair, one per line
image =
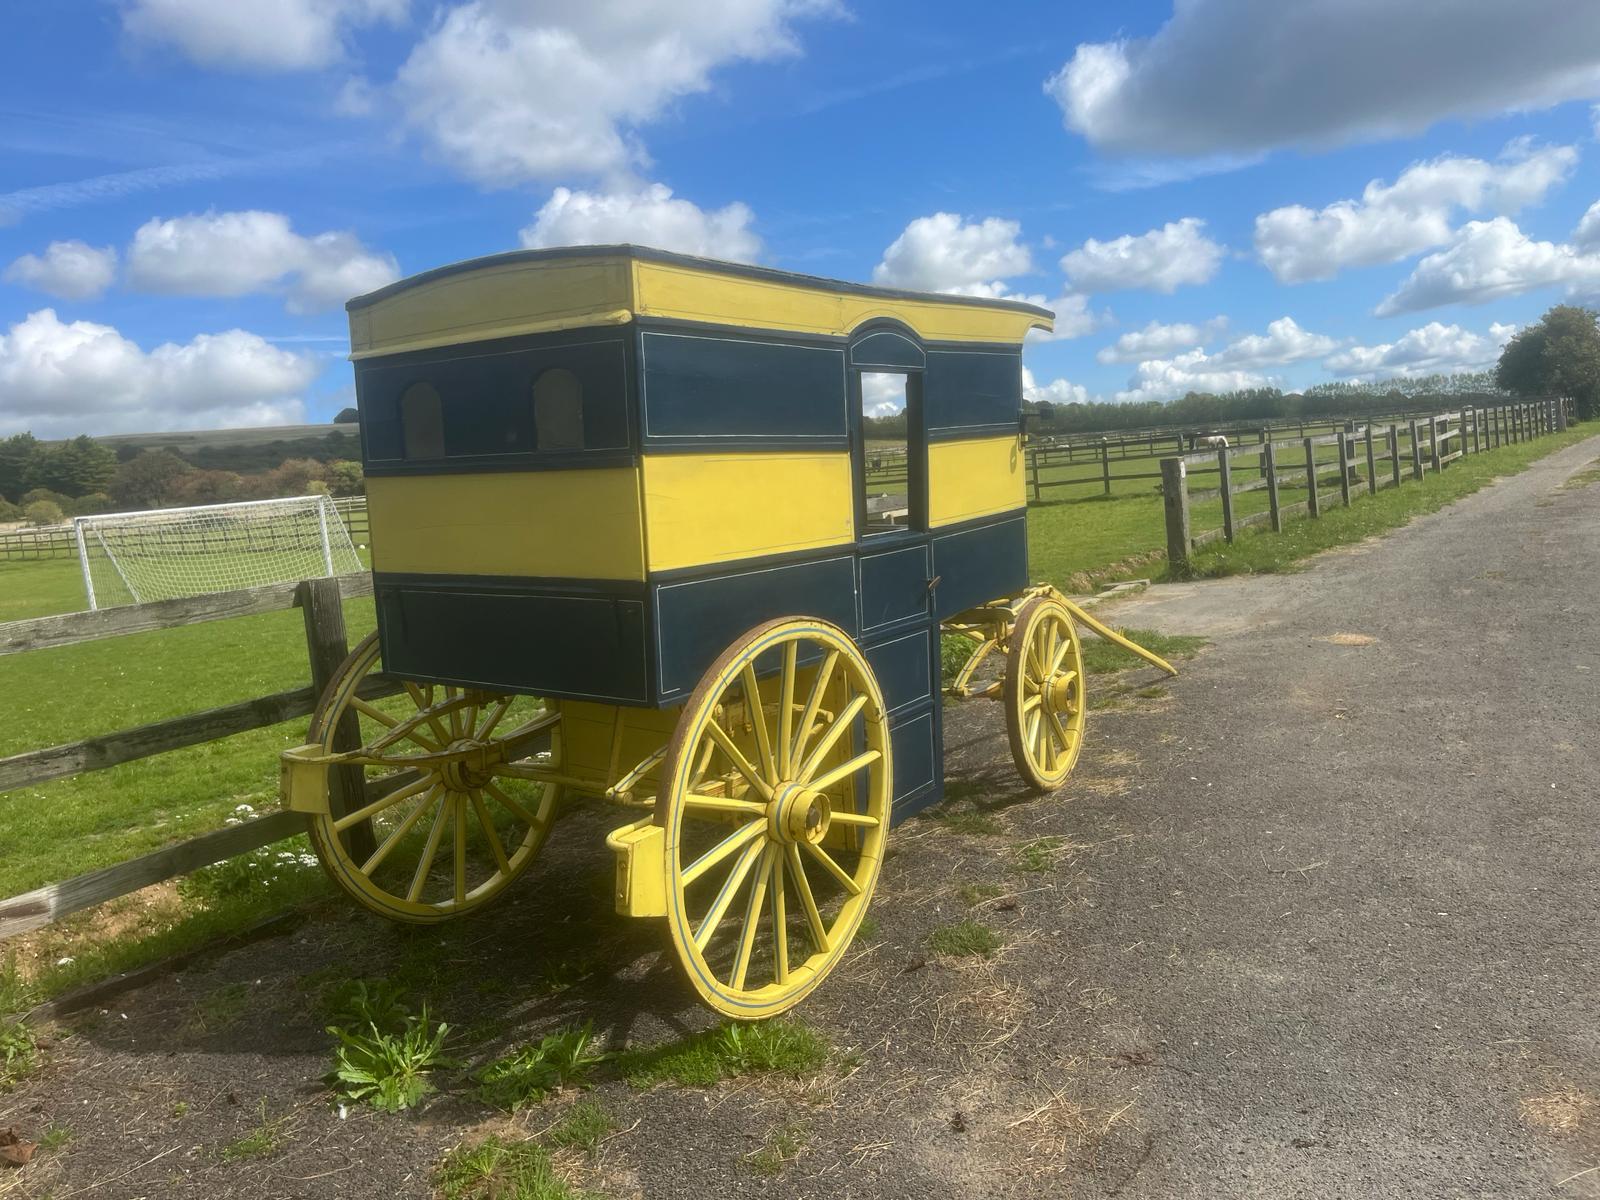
(422, 421)
(558, 410)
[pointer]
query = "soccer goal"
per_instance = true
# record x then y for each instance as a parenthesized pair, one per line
(133, 558)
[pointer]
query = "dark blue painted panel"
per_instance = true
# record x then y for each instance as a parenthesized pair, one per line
(894, 586)
(486, 397)
(893, 351)
(904, 667)
(719, 388)
(968, 388)
(696, 620)
(485, 635)
(980, 564)
(915, 764)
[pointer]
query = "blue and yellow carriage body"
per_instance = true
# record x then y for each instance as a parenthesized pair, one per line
(630, 483)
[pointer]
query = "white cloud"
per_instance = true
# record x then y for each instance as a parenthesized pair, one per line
(262, 35)
(944, 253)
(1392, 221)
(1057, 391)
(1243, 75)
(1161, 260)
(507, 91)
(882, 395)
(59, 380)
(1490, 260)
(1431, 349)
(71, 270)
(1156, 339)
(236, 253)
(1587, 235)
(1234, 367)
(1074, 317)
(651, 216)
(1284, 342)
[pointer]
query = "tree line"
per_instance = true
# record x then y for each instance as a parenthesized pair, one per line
(44, 483)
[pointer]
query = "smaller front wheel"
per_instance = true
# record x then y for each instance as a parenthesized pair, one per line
(1044, 693)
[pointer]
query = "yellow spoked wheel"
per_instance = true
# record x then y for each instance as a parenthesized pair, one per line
(1044, 693)
(775, 801)
(452, 824)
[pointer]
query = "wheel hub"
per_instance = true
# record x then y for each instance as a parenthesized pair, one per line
(797, 814)
(469, 768)
(1058, 691)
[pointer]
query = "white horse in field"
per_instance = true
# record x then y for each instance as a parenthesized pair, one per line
(1213, 442)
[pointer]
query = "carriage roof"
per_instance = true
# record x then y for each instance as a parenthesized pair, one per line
(537, 291)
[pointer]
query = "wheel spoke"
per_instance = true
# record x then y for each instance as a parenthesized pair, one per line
(455, 713)
(1033, 659)
(791, 651)
(846, 881)
(378, 806)
(400, 831)
(1060, 655)
(831, 737)
(723, 804)
(512, 806)
(758, 723)
(425, 702)
(1032, 702)
(780, 925)
(731, 844)
(1031, 737)
(1062, 733)
(490, 833)
(460, 804)
(737, 758)
(823, 782)
(802, 885)
(752, 916)
(730, 889)
(429, 853)
(819, 688)
(383, 718)
(494, 718)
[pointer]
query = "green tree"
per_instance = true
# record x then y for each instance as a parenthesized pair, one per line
(347, 416)
(74, 468)
(345, 478)
(147, 480)
(1559, 356)
(17, 453)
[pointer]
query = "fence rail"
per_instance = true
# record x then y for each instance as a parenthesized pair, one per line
(1432, 443)
(326, 647)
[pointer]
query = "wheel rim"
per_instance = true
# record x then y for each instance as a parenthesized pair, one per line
(776, 815)
(453, 828)
(1045, 709)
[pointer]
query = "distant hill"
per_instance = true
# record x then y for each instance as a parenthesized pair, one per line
(182, 440)
(247, 451)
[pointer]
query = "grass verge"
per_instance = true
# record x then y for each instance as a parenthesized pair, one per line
(726, 1052)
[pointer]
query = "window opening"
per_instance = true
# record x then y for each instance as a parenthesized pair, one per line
(886, 442)
(422, 421)
(558, 410)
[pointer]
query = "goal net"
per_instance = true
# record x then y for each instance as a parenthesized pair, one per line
(133, 558)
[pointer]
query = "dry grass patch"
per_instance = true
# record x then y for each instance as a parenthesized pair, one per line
(1350, 639)
(1561, 1111)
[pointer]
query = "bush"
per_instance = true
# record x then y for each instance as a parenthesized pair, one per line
(43, 512)
(9, 511)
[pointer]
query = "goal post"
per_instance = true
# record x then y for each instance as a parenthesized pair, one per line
(160, 554)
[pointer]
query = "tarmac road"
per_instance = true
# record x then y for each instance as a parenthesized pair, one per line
(1377, 887)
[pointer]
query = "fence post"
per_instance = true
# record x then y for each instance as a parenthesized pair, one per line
(1033, 467)
(1416, 451)
(1225, 480)
(1433, 443)
(1394, 453)
(1272, 487)
(1175, 499)
(1344, 468)
(1105, 466)
(1372, 465)
(326, 647)
(1313, 501)
(1561, 414)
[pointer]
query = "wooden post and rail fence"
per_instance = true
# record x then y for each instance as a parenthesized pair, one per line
(1433, 444)
(321, 604)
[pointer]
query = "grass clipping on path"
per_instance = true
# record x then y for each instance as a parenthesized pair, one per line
(1263, 551)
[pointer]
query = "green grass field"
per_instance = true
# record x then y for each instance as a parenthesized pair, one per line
(63, 828)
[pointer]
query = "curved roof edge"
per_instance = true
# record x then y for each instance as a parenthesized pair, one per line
(649, 254)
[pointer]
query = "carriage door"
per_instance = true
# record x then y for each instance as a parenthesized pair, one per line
(894, 579)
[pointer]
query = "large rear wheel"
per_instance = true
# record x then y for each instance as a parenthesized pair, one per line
(437, 777)
(775, 801)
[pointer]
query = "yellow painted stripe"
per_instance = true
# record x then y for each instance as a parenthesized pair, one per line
(562, 524)
(496, 300)
(975, 478)
(685, 293)
(721, 507)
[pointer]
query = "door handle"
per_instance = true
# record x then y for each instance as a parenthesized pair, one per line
(934, 582)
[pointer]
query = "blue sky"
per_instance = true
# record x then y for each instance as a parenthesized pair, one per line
(189, 189)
